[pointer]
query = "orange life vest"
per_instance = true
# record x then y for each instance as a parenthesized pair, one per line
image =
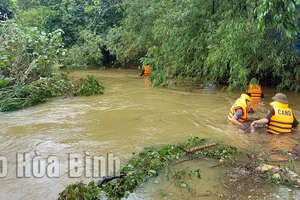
(147, 70)
(254, 90)
(240, 103)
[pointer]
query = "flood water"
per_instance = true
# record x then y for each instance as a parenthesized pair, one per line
(129, 116)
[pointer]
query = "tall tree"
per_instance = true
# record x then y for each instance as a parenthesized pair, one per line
(68, 16)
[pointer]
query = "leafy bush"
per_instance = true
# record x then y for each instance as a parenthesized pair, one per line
(39, 91)
(80, 191)
(26, 54)
(32, 17)
(11, 104)
(4, 81)
(87, 51)
(89, 85)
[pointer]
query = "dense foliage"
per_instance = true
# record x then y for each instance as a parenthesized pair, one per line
(27, 53)
(28, 72)
(21, 96)
(87, 51)
(225, 42)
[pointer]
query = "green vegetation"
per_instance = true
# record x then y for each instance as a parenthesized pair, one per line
(87, 86)
(148, 164)
(87, 51)
(28, 75)
(81, 191)
(165, 161)
(21, 96)
(224, 42)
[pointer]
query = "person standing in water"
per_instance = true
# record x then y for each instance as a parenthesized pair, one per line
(254, 89)
(146, 70)
(280, 118)
(255, 92)
(238, 113)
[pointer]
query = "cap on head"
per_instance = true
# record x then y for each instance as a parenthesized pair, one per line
(253, 81)
(280, 97)
(246, 97)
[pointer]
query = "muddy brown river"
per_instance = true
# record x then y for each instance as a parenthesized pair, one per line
(41, 146)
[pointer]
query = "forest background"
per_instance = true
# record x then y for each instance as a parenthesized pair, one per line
(225, 42)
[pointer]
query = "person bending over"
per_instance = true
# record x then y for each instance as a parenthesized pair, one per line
(280, 118)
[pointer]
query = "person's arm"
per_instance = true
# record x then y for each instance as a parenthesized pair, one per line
(143, 71)
(264, 120)
(235, 118)
(235, 121)
(296, 124)
(257, 122)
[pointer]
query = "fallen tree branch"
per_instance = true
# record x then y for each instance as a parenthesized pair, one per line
(192, 150)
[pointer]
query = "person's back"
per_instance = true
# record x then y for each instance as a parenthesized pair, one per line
(280, 118)
(146, 70)
(254, 89)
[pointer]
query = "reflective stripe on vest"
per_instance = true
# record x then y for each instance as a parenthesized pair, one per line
(281, 122)
(254, 90)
